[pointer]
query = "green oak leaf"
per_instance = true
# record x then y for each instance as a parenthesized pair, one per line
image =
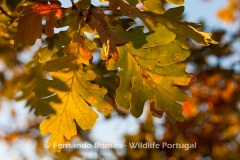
(153, 75)
(183, 30)
(155, 37)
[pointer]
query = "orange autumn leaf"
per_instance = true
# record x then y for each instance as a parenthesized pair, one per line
(189, 108)
(30, 21)
(226, 15)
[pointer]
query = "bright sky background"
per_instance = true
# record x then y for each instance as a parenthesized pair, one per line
(104, 130)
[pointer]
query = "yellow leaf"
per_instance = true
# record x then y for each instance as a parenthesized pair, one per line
(69, 94)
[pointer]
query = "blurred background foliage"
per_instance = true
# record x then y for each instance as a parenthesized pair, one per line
(230, 12)
(212, 114)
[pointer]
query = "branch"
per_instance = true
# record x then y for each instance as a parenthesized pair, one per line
(4, 12)
(73, 5)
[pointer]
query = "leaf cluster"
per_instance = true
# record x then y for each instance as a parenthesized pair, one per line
(149, 65)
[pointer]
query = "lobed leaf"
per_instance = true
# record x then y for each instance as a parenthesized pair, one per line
(69, 94)
(183, 30)
(30, 21)
(109, 39)
(144, 78)
(150, 70)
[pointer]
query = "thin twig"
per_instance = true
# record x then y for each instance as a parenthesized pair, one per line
(4, 12)
(73, 5)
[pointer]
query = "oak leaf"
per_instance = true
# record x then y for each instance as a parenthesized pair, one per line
(69, 93)
(152, 74)
(109, 39)
(183, 30)
(30, 21)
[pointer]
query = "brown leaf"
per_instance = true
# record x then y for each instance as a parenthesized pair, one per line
(109, 39)
(30, 21)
